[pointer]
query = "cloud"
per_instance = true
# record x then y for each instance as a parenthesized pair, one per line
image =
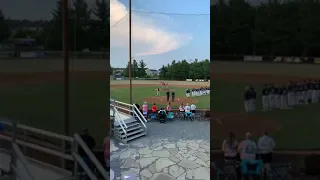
(149, 37)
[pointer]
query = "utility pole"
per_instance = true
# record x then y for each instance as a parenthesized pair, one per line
(130, 52)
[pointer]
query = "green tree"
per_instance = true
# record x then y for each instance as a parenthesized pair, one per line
(4, 29)
(142, 69)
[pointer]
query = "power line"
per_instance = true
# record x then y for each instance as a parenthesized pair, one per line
(166, 13)
(119, 20)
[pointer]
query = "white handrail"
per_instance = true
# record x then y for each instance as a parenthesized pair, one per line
(139, 119)
(119, 118)
(139, 112)
(39, 148)
(119, 107)
(39, 131)
(23, 160)
(94, 160)
(84, 166)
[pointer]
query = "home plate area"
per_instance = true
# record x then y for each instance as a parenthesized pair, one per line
(164, 160)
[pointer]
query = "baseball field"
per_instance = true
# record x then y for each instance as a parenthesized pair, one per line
(296, 128)
(145, 91)
(32, 92)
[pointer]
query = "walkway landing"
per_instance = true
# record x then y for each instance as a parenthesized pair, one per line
(38, 170)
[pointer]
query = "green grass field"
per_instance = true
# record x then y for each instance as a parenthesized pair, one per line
(299, 127)
(42, 106)
(141, 93)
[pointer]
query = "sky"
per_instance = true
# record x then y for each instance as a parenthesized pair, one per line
(160, 38)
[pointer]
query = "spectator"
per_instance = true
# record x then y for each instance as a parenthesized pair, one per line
(187, 111)
(90, 142)
(145, 109)
(169, 107)
(229, 148)
(162, 115)
(266, 145)
(247, 148)
(106, 147)
(154, 108)
(193, 108)
(181, 107)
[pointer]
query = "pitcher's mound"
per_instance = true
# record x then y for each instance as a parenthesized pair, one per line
(163, 100)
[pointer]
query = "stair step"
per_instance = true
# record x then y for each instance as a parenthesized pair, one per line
(136, 136)
(128, 125)
(132, 133)
(127, 121)
(130, 129)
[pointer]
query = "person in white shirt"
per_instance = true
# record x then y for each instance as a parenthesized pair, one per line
(266, 145)
(193, 108)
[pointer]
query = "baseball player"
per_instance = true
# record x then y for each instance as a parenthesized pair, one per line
(318, 89)
(309, 93)
(271, 96)
(265, 98)
(290, 94)
(284, 98)
(187, 92)
(253, 100)
(158, 91)
(246, 98)
(314, 92)
(305, 92)
(277, 97)
(208, 90)
(192, 92)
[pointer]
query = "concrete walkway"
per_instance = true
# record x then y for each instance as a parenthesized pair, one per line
(38, 170)
(178, 150)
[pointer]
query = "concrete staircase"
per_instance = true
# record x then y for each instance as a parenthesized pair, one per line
(125, 126)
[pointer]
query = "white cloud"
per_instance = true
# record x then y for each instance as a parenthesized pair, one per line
(148, 36)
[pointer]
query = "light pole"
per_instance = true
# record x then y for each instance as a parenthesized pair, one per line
(130, 53)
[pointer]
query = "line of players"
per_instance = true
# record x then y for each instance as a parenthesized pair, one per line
(293, 94)
(285, 96)
(198, 91)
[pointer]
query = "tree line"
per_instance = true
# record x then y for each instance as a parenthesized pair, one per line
(273, 28)
(182, 70)
(88, 27)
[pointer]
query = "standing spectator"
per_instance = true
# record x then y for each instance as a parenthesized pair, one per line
(154, 108)
(266, 146)
(173, 95)
(229, 148)
(145, 109)
(106, 147)
(169, 107)
(91, 143)
(193, 108)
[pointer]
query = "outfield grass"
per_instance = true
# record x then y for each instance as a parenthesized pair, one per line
(42, 106)
(299, 126)
(141, 93)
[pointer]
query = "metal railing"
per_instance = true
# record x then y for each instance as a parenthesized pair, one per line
(119, 119)
(91, 156)
(18, 155)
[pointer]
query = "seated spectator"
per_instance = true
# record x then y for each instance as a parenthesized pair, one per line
(187, 110)
(266, 145)
(169, 107)
(249, 165)
(154, 108)
(145, 109)
(181, 107)
(193, 108)
(90, 142)
(162, 115)
(229, 148)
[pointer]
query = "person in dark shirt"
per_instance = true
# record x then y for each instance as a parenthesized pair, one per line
(247, 97)
(253, 99)
(271, 97)
(284, 98)
(173, 95)
(277, 98)
(90, 142)
(265, 98)
(168, 95)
